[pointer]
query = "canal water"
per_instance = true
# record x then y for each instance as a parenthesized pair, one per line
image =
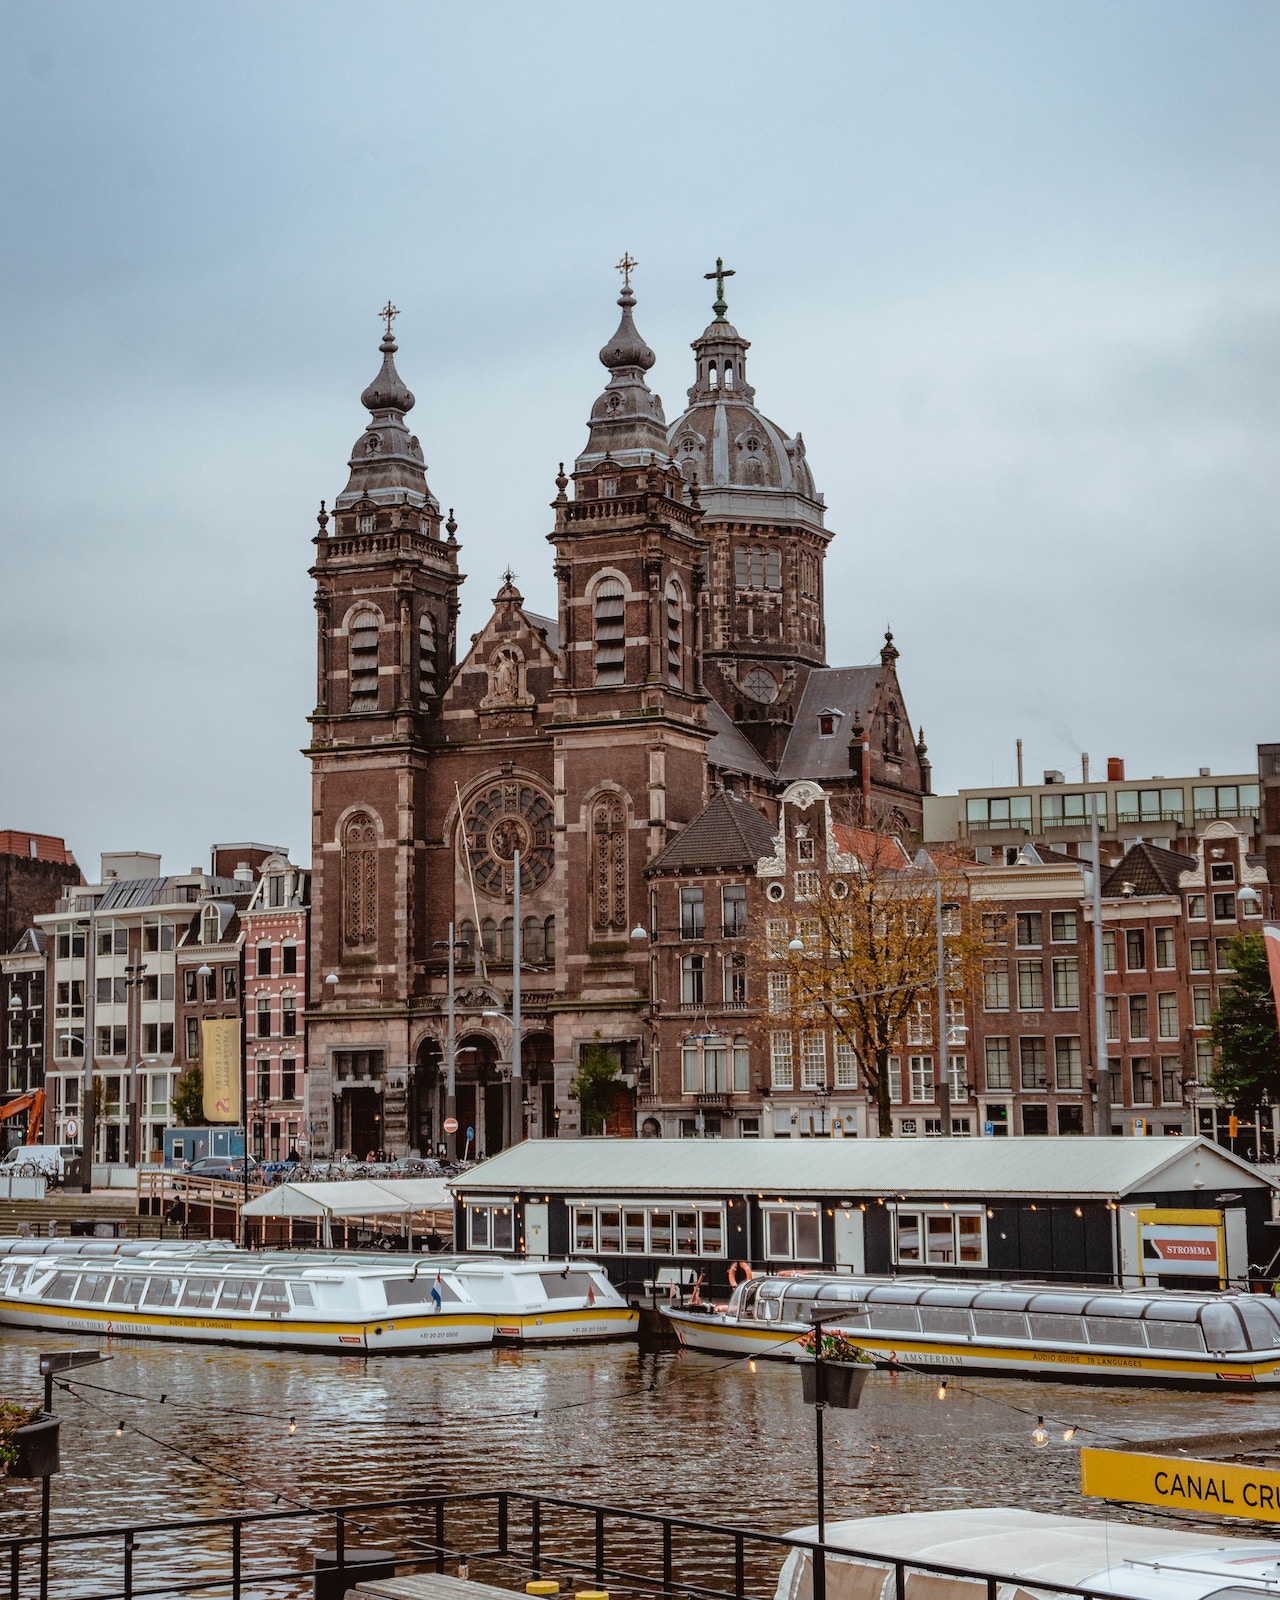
(206, 1433)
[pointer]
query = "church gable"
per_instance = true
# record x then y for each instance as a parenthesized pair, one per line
(506, 677)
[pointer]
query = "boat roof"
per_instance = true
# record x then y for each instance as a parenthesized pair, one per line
(1028, 1545)
(1103, 1169)
(996, 1294)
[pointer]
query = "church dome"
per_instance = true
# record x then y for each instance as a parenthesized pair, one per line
(387, 466)
(388, 391)
(627, 348)
(723, 439)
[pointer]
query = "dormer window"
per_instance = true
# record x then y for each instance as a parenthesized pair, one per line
(366, 522)
(210, 926)
(829, 723)
(608, 488)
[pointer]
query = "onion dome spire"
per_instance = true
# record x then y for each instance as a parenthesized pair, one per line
(626, 421)
(387, 467)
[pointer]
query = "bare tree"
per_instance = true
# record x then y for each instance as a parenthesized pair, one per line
(859, 953)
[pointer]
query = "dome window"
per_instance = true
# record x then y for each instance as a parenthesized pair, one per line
(728, 374)
(712, 380)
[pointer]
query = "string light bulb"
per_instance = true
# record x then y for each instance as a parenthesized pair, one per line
(1069, 1433)
(119, 1429)
(1040, 1434)
(293, 1426)
(942, 1389)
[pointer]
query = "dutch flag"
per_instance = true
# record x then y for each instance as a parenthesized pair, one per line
(436, 1297)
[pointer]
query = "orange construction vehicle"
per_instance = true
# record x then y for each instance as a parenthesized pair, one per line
(34, 1102)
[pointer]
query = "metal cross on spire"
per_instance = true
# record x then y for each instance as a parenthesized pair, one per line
(720, 305)
(389, 313)
(626, 267)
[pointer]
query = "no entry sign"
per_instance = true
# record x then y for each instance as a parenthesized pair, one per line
(451, 1124)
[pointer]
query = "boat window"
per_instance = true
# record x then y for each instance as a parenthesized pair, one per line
(611, 1234)
(1222, 1330)
(1174, 1310)
(686, 1232)
(199, 1292)
(1102, 1306)
(768, 1306)
(162, 1292)
(1259, 1324)
(999, 1324)
(584, 1230)
(895, 1319)
(1163, 1335)
(566, 1285)
(126, 1291)
(272, 1297)
(237, 1294)
(633, 1237)
(1069, 1304)
(841, 1291)
(797, 1302)
(1056, 1327)
(303, 1294)
(60, 1287)
(6, 1277)
(712, 1224)
(898, 1294)
(660, 1233)
(1123, 1331)
(406, 1291)
(945, 1319)
(93, 1287)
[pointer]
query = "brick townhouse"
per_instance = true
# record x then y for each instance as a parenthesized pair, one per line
(275, 924)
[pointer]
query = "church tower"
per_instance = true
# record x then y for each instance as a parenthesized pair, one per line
(386, 576)
(630, 707)
(764, 524)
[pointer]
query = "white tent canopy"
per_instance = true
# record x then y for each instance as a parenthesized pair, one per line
(357, 1198)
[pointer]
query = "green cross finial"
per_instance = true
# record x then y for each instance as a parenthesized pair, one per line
(720, 305)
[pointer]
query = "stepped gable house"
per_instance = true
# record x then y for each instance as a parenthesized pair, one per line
(687, 658)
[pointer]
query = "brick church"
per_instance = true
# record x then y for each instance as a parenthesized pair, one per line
(678, 692)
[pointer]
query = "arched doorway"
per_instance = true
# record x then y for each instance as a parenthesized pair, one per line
(480, 1094)
(538, 1065)
(426, 1091)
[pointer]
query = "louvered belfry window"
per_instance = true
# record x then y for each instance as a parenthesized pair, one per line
(675, 633)
(610, 624)
(426, 657)
(360, 882)
(364, 661)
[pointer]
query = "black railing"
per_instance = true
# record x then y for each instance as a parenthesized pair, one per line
(512, 1535)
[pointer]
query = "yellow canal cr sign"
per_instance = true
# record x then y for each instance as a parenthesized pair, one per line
(1180, 1484)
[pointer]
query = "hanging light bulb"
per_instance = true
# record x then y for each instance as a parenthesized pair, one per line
(293, 1426)
(942, 1390)
(1069, 1433)
(119, 1429)
(1040, 1434)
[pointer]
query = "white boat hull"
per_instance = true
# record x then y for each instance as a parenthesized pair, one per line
(556, 1327)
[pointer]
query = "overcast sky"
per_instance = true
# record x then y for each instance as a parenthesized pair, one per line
(1011, 269)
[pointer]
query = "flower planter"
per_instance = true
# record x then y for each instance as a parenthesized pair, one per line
(839, 1383)
(37, 1446)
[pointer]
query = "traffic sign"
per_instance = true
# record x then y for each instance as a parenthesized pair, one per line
(451, 1124)
(73, 1129)
(471, 1133)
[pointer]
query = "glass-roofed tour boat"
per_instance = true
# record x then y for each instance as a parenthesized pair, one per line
(213, 1293)
(1016, 1329)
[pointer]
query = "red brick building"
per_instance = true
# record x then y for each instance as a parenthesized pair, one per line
(687, 656)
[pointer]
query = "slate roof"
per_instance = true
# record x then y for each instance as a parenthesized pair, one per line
(730, 832)
(549, 626)
(844, 689)
(1149, 869)
(730, 748)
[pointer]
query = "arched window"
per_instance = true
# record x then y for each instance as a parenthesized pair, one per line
(549, 939)
(426, 657)
(211, 928)
(773, 568)
(741, 568)
(531, 945)
(507, 946)
(675, 633)
(363, 664)
(609, 864)
(728, 374)
(757, 567)
(712, 379)
(360, 882)
(489, 937)
(465, 935)
(611, 627)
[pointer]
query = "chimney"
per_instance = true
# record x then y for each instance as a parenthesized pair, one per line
(243, 872)
(1115, 769)
(1084, 766)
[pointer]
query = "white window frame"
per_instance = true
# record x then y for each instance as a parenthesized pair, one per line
(792, 1210)
(918, 1254)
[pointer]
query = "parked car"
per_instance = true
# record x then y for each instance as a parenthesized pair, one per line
(54, 1160)
(221, 1167)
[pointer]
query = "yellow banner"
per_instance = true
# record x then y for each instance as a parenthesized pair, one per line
(220, 1042)
(1180, 1484)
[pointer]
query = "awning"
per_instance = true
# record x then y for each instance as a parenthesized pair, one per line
(357, 1198)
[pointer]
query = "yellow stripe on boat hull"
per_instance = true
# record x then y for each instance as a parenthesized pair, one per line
(587, 1322)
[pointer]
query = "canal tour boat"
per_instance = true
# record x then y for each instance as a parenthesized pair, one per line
(215, 1292)
(1014, 1329)
(1023, 1550)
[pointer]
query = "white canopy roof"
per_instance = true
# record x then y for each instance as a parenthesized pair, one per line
(356, 1198)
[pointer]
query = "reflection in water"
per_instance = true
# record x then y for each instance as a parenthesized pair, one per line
(663, 1430)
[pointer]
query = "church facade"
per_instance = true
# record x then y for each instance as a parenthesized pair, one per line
(686, 663)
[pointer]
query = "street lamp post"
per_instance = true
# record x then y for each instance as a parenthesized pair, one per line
(1102, 1111)
(451, 1048)
(50, 1363)
(944, 1065)
(517, 1085)
(133, 980)
(88, 1107)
